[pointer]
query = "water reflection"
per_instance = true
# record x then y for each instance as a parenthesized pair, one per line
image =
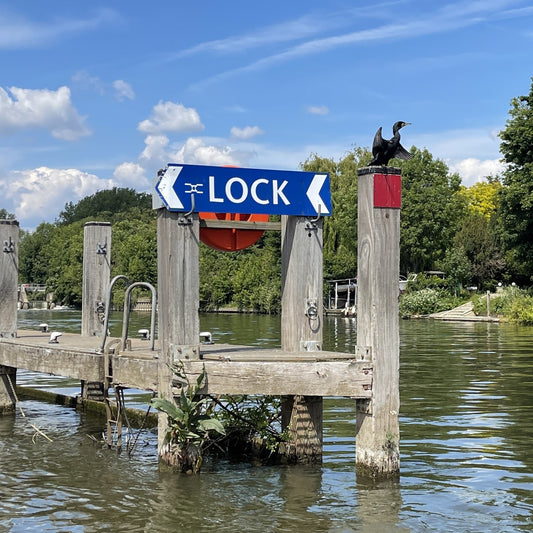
(466, 427)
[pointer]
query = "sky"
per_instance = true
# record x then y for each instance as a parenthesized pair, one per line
(95, 95)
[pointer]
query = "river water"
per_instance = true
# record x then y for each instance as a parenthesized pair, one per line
(466, 440)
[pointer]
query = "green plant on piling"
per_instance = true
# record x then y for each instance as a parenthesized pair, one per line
(256, 419)
(190, 422)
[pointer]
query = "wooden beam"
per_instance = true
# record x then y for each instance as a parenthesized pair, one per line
(240, 224)
(67, 362)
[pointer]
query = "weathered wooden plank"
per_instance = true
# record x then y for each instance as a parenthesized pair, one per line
(71, 363)
(240, 224)
(230, 369)
(136, 373)
(339, 378)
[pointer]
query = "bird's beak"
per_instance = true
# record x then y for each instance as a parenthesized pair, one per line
(407, 123)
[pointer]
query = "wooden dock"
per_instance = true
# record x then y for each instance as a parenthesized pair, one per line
(230, 369)
(300, 372)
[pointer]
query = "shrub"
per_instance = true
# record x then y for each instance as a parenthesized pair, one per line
(421, 302)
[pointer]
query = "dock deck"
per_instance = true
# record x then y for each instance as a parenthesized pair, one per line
(230, 369)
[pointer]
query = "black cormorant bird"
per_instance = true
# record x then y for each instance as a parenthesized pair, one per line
(384, 150)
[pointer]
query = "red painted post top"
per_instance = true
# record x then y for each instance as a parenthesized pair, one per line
(388, 190)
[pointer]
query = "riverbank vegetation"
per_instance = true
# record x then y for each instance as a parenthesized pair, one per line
(479, 236)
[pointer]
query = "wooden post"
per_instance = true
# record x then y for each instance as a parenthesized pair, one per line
(179, 300)
(378, 263)
(301, 329)
(96, 277)
(9, 240)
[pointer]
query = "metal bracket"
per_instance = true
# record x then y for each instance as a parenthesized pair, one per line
(309, 346)
(311, 308)
(101, 248)
(9, 246)
(185, 351)
(185, 219)
(363, 353)
(312, 224)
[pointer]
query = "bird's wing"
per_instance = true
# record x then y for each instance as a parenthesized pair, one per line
(378, 141)
(402, 153)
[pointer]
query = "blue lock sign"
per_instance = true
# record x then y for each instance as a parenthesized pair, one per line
(244, 190)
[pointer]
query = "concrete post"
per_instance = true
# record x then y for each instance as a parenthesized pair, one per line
(9, 240)
(302, 329)
(96, 277)
(378, 263)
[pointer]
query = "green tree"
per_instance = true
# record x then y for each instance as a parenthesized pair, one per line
(432, 211)
(216, 277)
(6, 215)
(134, 246)
(483, 197)
(104, 205)
(64, 256)
(340, 229)
(516, 208)
(479, 241)
(257, 282)
(33, 265)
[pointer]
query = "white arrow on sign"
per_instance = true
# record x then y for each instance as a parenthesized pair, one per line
(313, 193)
(165, 187)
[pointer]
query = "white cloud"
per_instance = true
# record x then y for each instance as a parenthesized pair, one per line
(39, 194)
(155, 150)
(169, 116)
(245, 133)
(131, 175)
(86, 81)
(123, 90)
(318, 110)
(41, 108)
(473, 170)
(472, 153)
(17, 32)
(196, 152)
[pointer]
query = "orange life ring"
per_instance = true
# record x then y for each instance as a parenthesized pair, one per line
(231, 239)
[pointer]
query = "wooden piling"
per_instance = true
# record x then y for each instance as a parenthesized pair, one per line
(178, 240)
(377, 426)
(302, 329)
(96, 277)
(9, 240)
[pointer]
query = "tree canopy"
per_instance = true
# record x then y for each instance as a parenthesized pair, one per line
(105, 205)
(516, 197)
(432, 211)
